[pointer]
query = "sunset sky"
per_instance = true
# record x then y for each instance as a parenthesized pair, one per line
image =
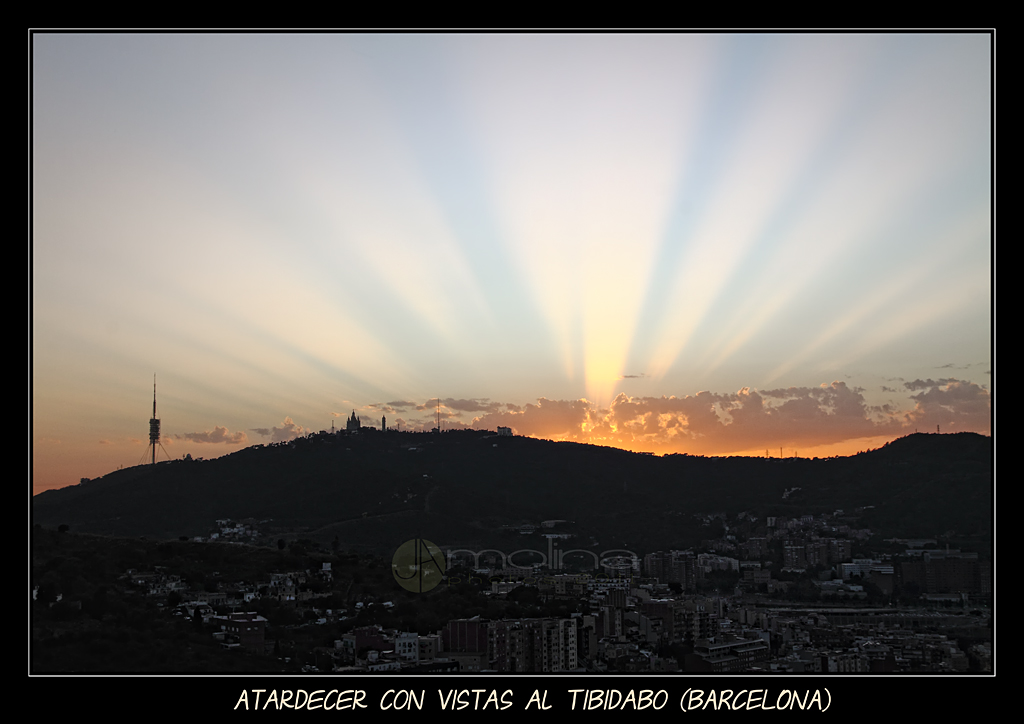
(711, 244)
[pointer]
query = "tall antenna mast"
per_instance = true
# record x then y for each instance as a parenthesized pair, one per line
(154, 431)
(154, 425)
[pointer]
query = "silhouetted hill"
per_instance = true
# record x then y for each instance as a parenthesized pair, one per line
(374, 490)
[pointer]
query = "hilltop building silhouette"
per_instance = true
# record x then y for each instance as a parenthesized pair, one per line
(352, 424)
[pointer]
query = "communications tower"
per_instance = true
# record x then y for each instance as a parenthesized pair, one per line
(154, 431)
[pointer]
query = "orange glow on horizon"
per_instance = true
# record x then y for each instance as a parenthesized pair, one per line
(845, 448)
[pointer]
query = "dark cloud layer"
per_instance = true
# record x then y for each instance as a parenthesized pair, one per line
(955, 405)
(929, 383)
(715, 423)
(216, 435)
(482, 404)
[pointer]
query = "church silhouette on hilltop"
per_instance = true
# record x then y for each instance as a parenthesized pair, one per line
(353, 424)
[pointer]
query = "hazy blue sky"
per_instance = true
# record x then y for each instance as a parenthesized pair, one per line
(570, 234)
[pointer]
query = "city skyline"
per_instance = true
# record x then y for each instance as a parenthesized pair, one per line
(702, 243)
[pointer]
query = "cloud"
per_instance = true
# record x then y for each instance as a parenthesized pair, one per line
(548, 418)
(262, 431)
(482, 404)
(475, 405)
(713, 423)
(716, 423)
(395, 406)
(927, 384)
(288, 431)
(215, 436)
(953, 404)
(632, 377)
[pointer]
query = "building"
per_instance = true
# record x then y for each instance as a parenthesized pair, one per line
(245, 630)
(727, 656)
